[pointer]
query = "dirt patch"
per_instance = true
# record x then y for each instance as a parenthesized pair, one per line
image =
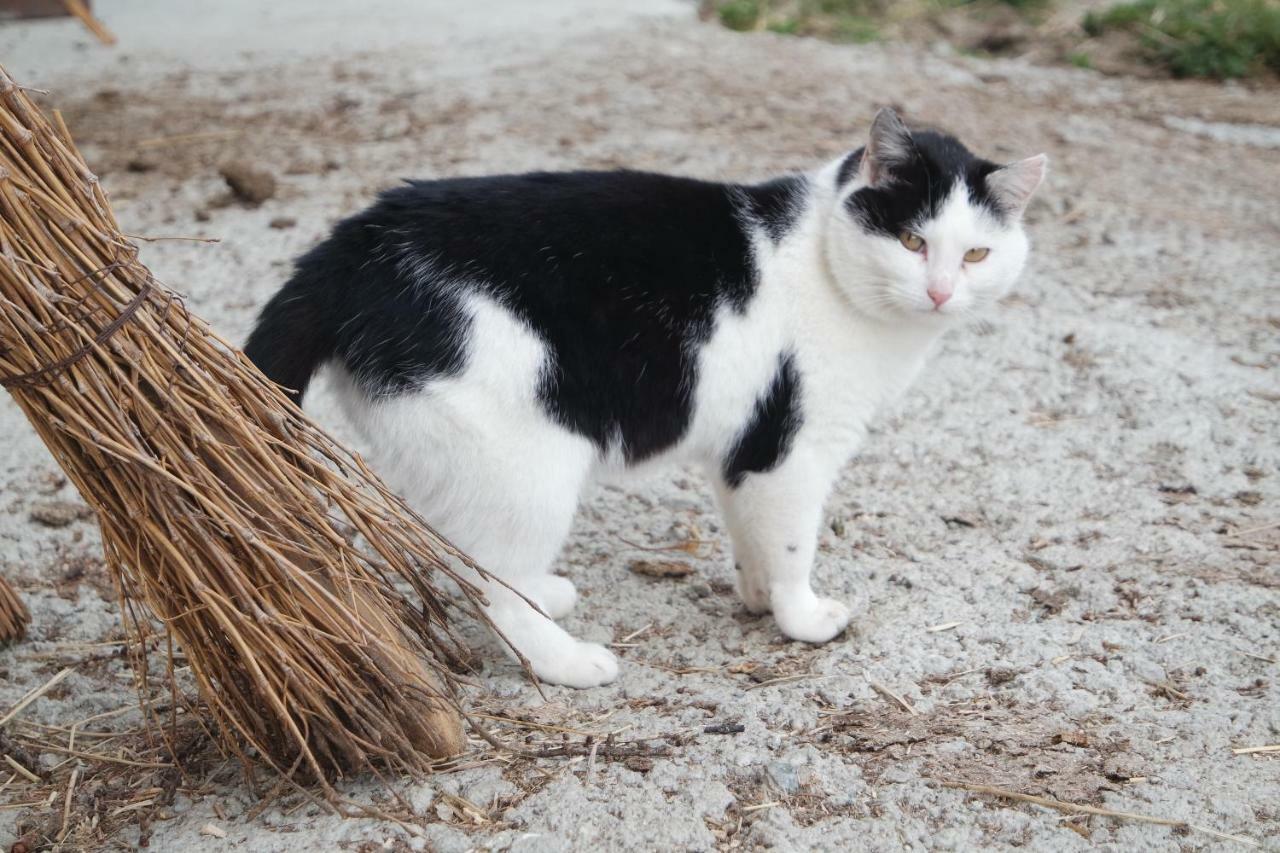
(983, 742)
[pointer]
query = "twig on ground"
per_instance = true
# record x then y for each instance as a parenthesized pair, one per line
(782, 678)
(1077, 808)
(34, 695)
(183, 138)
(889, 694)
(22, 771)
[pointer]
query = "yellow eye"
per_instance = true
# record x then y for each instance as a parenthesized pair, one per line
(974, 255)
(914, 242)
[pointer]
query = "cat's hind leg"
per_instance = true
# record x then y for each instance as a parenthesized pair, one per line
(502, 487)
(556, 595)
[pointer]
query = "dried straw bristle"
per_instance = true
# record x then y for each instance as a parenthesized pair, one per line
(14, 615)
(222, 506)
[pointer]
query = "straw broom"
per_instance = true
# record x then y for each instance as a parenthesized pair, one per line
(222, 507)
(14, 615)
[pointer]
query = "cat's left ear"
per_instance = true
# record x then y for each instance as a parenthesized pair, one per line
(1013, 185)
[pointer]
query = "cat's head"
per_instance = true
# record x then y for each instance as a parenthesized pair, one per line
(925, 230)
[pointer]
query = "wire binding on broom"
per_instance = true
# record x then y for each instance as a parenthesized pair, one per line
(222, 506)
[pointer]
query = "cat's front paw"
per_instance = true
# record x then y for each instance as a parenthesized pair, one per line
(812, 619)
(585, 665)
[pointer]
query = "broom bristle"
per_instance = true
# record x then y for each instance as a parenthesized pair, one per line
(14, 615)
(221, 505)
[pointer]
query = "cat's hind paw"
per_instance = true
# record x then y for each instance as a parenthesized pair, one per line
(814, 620)
(585, 665)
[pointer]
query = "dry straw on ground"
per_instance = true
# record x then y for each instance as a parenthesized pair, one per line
(225, 513)
(14, 615)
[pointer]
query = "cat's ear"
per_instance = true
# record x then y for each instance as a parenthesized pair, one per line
(1013, 185)
(888, 147)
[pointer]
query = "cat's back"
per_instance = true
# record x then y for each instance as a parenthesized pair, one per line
(554, 230)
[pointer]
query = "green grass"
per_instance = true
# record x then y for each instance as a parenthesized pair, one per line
(740, 15)
(1200, 38)
(1080, 59)
(846, 20)
(836, 20)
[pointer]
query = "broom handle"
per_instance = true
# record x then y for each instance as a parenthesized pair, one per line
(80, 9)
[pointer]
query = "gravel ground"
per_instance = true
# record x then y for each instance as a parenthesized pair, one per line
(1063, 544)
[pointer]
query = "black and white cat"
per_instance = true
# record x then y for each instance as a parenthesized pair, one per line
(505, 341)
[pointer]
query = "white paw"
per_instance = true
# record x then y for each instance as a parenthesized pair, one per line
(813, 619)
(584, 665)
(554, 594)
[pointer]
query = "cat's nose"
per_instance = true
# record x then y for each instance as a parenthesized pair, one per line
(939, 295)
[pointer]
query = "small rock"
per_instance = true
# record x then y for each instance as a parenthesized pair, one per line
(213, 830)
(762, 674)
(49, 482)
(661, 568)
(421, 799)
(1000, 675)
(639, 763)
(59, 513)
(1079, 739)
(202, 215)
(699, 590)
(1124, 766)
(249, 183)
(280, 223)
(782, 776)
(140, 165)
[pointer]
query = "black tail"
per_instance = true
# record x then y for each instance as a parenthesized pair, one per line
(296, 331)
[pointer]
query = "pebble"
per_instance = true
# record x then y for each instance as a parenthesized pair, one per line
(782, 776)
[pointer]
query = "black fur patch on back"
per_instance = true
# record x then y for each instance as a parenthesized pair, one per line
(619, 273)
(919, 187)
(776, 205)
(765, 441)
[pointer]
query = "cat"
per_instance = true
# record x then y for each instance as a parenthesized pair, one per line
(504, 341)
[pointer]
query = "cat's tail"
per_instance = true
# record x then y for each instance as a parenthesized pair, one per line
(296, 331)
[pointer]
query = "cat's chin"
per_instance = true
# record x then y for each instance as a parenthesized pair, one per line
(905, 313)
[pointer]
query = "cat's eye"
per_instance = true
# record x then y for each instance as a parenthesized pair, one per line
(914, 242)
(974, 255)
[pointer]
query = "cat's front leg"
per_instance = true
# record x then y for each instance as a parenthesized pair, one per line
(773, 518)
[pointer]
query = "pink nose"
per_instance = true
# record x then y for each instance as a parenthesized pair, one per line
(939, 295)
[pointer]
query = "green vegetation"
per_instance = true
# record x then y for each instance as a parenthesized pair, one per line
(1080, 59)
(846, 20)
(1190, 38)
(740, 15)
(1199, 38)
(835, 20)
